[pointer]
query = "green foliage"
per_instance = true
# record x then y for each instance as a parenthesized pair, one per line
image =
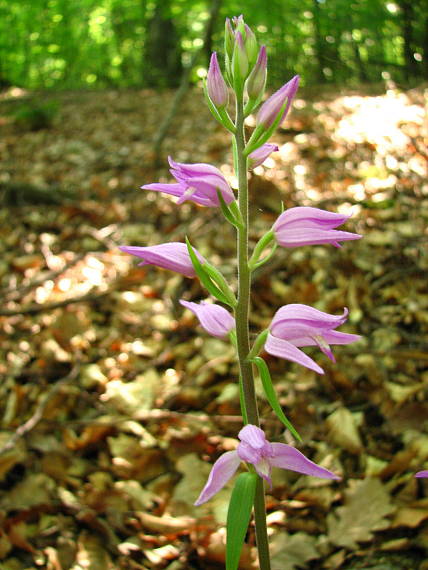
(112, 43)
(238, 517)
(271, 395)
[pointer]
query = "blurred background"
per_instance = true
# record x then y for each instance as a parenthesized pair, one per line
(113, 401)
(55, 44)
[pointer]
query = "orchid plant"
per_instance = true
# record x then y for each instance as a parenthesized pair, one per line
(293, 326)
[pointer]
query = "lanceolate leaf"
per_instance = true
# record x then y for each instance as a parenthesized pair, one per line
(271, 395)
(238, 517)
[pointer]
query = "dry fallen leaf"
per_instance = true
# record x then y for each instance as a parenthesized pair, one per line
(367, 504)
(292, 551)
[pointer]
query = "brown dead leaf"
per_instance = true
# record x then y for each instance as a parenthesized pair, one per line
(291, 551)
(367, 503)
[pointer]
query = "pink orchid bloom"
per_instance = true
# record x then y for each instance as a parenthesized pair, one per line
(298, 325)
(197, 182)
(304, 225)
(173, 256)
(216, 320)
(422, 474)
(263, 455)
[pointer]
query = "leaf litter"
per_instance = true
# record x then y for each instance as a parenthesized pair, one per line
(114, 404)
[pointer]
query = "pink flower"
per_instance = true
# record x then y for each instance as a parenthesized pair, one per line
(258, 156)
(216, 85)
(268, 112)
(298, 325)
(255, 449)
(422, 473)
(215, 319)
(173, 256)
(304, 225)
(196, 182)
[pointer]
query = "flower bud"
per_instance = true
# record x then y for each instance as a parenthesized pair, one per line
(257, 79)
(239, 60)
(251, 46)
(229, 39)
(238, 22)
(271, 107)
(216, 85)
(258, 156)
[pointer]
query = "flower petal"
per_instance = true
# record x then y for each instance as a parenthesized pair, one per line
(181, 191)
(253, 435)
(296, 320)
(422, 473)
(264, 469)
(216, 320)
(172, 255)
(284, 349)
(172, 189)
(321, 218)
(195, 169)
(305, 225)
(336, 337)
(222, 470)
(287, 457)
(306, 234)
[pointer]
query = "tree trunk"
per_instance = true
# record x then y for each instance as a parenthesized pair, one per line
(407, 11)
(162, 65)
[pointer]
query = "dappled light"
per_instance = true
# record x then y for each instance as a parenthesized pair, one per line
(153, 371)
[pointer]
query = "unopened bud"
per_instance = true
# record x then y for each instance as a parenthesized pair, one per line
(229, 39)
(238, 22)
(239, 60)
(272, 107)
(251, 45)
(216, 85)
(258, 156)
(257, 79)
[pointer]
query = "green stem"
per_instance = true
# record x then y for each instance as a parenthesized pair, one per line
(242, 328)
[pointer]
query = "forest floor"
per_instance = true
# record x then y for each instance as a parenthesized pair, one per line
(114, 403)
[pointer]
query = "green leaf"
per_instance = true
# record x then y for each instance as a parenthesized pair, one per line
(227, 212)
(271, 394)
(204, 277)
(222, 284)
(238, 517)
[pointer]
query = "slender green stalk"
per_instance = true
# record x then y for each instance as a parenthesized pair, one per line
(242, 328)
